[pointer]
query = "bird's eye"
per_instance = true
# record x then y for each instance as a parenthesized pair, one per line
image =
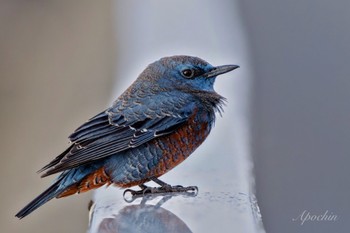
(187, 73)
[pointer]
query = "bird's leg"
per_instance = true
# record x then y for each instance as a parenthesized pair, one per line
(167, 188)
(163, 189)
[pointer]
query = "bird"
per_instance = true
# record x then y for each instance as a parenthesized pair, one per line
(154, 125)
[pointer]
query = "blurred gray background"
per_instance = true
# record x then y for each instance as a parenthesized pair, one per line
(300, 52)
(57, 69)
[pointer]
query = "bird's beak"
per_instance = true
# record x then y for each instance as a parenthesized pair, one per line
(220, 70)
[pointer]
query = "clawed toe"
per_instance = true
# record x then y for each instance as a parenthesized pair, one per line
(177, 189)
(130, 195)
(163, 189)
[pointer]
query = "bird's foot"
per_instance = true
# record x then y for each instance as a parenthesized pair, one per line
(169, 189)
(130, 195)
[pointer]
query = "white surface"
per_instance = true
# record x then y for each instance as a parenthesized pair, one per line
(220, 210)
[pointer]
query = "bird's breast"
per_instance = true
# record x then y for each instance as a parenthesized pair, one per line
(177, 146)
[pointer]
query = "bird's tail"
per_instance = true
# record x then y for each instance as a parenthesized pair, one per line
(40, 200)
(71, 181)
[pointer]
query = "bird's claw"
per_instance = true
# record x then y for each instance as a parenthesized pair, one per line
(130, 195)
(175, 189)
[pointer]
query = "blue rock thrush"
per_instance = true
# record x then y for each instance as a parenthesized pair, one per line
(152, 127)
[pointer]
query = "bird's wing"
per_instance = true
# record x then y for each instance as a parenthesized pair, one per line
(109, 133)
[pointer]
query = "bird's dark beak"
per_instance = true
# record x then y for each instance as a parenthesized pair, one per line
(220, 70)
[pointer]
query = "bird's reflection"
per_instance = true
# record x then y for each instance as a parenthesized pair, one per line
(144, 218)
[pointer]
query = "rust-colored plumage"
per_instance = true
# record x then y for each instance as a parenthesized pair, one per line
(94, 180)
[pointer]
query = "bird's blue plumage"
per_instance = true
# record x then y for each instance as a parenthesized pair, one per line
(153, 126)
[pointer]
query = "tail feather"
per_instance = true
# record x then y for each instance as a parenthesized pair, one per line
(69, 182)
(40, 200)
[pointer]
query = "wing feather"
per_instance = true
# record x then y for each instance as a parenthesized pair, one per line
(107, 134)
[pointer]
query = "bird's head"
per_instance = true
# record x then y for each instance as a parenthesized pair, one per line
(185, 72)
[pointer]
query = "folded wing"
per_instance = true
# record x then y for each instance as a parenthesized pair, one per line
(109, 133)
